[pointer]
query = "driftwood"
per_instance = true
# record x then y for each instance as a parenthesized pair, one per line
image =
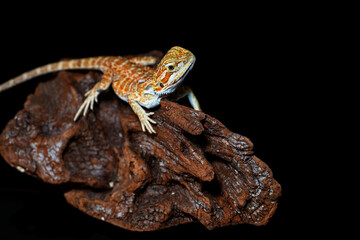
(193, 169)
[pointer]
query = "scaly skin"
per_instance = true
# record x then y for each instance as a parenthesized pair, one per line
(132, 81)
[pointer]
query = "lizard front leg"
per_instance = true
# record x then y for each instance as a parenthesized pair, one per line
(186, 91)
(94, 93)
(144, 118)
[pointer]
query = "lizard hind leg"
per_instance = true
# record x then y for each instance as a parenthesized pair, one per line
(91, 96)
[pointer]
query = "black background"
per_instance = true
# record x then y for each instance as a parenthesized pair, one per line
(252, 73)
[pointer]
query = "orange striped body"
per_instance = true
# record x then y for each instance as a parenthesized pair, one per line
(130, 78)
(124, 69)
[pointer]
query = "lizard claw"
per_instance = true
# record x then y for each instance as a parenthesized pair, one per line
(146, 123)
(89, 102)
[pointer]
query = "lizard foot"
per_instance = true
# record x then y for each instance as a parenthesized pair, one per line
(89, 102)
(146, 121)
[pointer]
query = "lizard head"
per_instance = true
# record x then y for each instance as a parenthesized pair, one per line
(171, 71)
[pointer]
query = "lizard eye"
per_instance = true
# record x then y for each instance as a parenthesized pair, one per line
(161, 84)
(171, 67)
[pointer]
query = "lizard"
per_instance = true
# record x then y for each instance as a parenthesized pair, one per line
(132, 80)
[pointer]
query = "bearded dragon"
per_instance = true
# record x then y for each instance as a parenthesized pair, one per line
(131, 79)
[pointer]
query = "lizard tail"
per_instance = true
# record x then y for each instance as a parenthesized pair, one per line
(84, 63)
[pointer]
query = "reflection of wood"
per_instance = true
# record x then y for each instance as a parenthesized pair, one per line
(193, 169)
